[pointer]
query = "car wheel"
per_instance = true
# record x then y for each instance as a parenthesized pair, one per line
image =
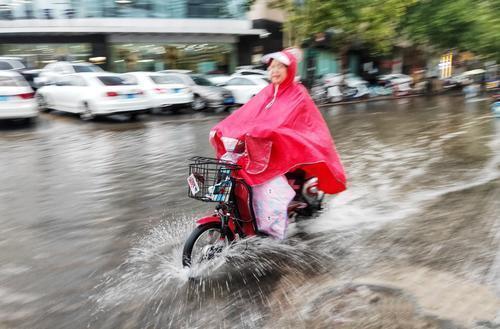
(133, 116)
(29, 121)
(198, 103)
(86, 113)
(42, 103)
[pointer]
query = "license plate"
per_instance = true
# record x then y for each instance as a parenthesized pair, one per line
(177, 90)
(130, 95)
(193, 184)
(229, 100)
(4, 98)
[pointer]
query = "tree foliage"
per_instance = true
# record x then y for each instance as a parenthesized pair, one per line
(372, 23)
(462, 24)
(379, 25)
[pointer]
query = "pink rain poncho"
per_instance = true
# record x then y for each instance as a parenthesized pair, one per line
(282, 130)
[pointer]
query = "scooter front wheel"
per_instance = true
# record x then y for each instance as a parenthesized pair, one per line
(204, 243)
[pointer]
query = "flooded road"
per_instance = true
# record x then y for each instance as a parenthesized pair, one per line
(93, 217)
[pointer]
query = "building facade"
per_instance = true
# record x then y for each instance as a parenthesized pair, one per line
(128, 35)
(264, 18)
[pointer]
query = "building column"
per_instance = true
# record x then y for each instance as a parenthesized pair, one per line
(101, 48)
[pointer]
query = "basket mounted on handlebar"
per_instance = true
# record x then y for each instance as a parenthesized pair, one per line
(210, 180)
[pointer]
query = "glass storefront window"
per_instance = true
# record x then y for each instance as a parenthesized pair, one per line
(201, 58)
(38, 55)
(67, 9)
(212, 58)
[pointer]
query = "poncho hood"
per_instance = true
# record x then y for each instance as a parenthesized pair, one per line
(283, 130)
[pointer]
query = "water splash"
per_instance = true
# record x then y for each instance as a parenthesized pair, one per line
(152, 267)
(384, 188)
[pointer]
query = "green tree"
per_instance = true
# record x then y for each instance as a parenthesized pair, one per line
(487, 41)
(372, 23)
(460, 24)
(379, 25)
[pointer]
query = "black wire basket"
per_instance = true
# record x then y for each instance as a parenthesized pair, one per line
(210, 180)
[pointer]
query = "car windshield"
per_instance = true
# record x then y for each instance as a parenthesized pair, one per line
(114, 81)
(12, 82)
(201, 81)
(166, 79)
(86, 68)
(5, 66)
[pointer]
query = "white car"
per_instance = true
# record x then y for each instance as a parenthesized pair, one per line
(51, 72)
(11, 63)
(257, 72)
(93, 94)
(218, 79)
(16, 97)
(16, 64)
(245, 87)
(163, 91)
(206, 94)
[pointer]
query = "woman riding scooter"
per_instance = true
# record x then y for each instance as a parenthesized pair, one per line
(280, 132)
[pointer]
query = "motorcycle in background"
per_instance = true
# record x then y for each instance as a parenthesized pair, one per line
(399, 83)
(335, 88)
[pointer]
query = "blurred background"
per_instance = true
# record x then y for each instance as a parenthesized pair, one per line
(102, 103)
(410, 45)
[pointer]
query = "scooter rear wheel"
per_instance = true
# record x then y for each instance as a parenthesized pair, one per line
(204, 243)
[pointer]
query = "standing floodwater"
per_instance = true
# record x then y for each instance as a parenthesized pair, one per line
(93, 217)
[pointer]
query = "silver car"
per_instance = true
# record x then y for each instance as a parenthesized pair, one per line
(206, 94)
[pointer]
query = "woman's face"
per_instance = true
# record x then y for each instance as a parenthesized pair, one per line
(277, 72)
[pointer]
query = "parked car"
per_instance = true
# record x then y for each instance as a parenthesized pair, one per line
(162, 90)
(16, 64)
(93, 94)
(177, 71)
(262, 73)
(51, 72)
(245, 87)
(16, 97)
(256, 72)
(11, 63)
(218, 79)
(206, 93)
